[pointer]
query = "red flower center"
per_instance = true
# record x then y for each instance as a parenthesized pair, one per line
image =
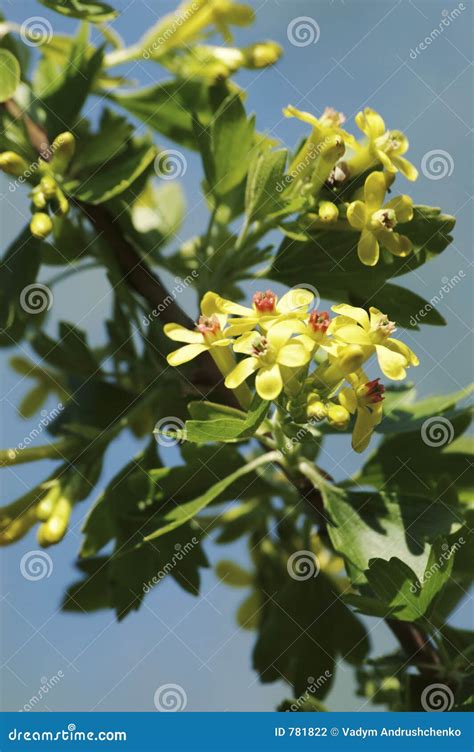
(265, 302)
(374, 391)
(319, 322)
(208, 325)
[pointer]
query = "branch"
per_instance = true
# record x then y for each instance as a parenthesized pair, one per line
(135, 271)
(417, 646)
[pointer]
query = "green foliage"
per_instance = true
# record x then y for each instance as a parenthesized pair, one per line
(10, 74)
(88, 10)
(393, 541)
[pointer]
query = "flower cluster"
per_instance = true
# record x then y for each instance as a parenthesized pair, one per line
(47, 197)
(332, 159)
(310, 364)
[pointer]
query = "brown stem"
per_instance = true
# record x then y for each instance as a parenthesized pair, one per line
(417, 646)
(37, 136)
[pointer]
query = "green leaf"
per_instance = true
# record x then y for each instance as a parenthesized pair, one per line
(329, 261)
(264, 184)
(86, 10)
(167, 108)
(399, 592)
(232, 574)
(9, 74)
(185, 512)
(220, 425)
(304, 628)
(231, 143)
(114, 176)
(18, 269)
(65, 99)
(303, 704)
(363, 526)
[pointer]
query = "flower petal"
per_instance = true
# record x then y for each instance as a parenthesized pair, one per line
(348, 399)
(185, 354)
(293, 355)
(209, 304)
(363, 430)
(269, 382)
(397, 244)
(279, 334)
(244, 344)
(357, 214)
(403, 349)
(240, 326)
(353, 335)
(405, 167)
(392, 364)
(228, 306)
(241, 372)
(370, 123)
(375, 189)
(294, 300)
(368, 248)
(402, 206)
(305, 117)
(352, 312)
(179, 333)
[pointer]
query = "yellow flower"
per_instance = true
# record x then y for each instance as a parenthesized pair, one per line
(268, 353)
(329, 124)
(312, 333)
(382, 147)
(364, 400)
(266, 310)
(210, 333)
(353, 326)
(376, 221)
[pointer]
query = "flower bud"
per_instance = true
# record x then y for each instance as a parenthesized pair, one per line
(352, 357)
(328, 212)
(41, 225)
(38, 198)
(338, 416)
(262, 54)
(12, 163)
(54, 529)
(316, 410)
(63, 148)
(49, 186)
